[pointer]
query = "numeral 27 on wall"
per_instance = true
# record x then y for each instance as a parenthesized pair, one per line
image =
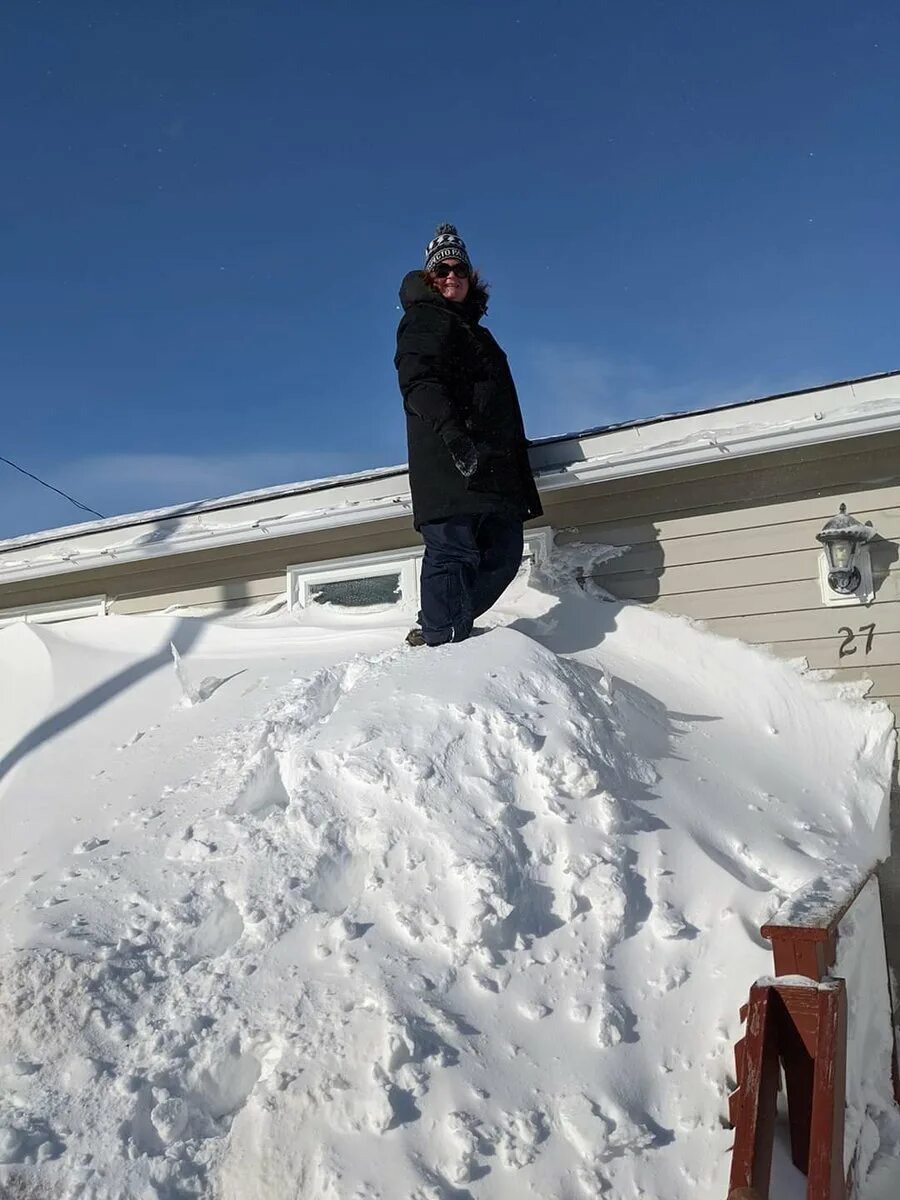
(848, 645)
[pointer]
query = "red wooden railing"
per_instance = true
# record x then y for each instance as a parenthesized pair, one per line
(797, 1022)
(801, 1025)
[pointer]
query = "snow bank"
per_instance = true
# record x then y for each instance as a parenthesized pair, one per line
(365, 921)
(871, 1113)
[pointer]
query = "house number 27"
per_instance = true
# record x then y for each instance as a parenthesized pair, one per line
(848, 645)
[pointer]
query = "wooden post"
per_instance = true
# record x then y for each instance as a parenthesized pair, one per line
(751, 1161)
(803, 951)
(804, 935)
(804, 1026)
(826, 1180)
(734, 1099)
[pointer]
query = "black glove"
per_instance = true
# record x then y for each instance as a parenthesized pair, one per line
(464, 454)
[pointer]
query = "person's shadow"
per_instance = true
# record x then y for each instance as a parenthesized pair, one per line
(183, 637)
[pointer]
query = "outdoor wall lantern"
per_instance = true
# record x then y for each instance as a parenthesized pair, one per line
(845, 570)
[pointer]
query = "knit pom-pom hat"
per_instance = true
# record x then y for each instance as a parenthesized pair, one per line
(446, 243)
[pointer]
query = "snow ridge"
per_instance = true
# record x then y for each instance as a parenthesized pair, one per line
(365, 906)
(450, 925)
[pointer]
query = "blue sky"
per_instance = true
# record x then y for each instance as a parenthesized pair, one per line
(207, 208)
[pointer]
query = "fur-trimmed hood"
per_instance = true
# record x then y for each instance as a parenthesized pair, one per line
(415, 290)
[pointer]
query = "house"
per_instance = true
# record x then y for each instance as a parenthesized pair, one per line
(716, 513)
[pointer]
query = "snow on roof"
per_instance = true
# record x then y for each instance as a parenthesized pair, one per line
(829, 413)
(306, 913)
(172, 511)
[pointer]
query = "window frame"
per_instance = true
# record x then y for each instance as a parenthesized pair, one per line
(303, 578)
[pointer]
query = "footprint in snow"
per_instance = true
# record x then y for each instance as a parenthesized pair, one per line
(132, 741)
(22, 1068)
(90, 844)
(669, 923)
(469, 1142)
(217, 930)
(739, 864)
(669, 979)
(28, 1141)
(486, 983)
(262, 789)
(519, 1138)
(535, 1011)
(616, 1021)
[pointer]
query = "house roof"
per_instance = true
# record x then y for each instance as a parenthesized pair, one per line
(831, 412)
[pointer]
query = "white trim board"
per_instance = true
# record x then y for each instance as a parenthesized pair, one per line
(60, 610)
(710, 437)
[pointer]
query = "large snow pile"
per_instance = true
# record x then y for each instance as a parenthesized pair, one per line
(302, 913)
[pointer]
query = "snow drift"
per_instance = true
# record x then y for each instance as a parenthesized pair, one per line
(304, 914)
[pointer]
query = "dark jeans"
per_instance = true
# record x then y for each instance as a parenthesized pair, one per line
(469, 563)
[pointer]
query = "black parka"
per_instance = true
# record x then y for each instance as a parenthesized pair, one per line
(455, 380)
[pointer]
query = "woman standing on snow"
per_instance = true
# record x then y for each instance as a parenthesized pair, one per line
(471, 482)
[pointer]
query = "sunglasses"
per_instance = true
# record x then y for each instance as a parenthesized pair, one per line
(442, 270)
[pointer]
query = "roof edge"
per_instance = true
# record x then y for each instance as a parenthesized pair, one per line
(216, 504)
(715, 408)
(609, 451)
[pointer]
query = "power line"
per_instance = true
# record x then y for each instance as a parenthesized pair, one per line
(44, 483)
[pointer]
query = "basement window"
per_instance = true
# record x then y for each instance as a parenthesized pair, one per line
(373, 583)
(366, 583)
(364, 592)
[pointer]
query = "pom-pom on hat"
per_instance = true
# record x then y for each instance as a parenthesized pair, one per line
(446, 243)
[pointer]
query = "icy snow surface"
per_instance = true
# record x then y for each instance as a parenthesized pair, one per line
(294, 912)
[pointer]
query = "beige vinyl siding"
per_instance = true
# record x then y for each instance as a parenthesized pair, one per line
(261, 575)
(230, 575)
(733, 546)
(234, 594)
(790, 533)
(810, 624)
(740, 602)
(735, 483)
